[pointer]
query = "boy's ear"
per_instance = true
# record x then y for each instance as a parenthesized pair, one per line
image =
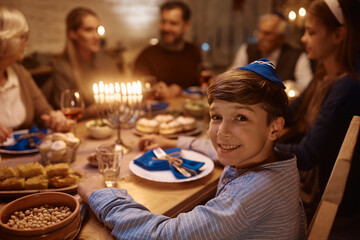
(275, 128)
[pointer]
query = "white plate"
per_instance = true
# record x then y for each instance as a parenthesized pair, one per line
(168, 176)
(24, 131)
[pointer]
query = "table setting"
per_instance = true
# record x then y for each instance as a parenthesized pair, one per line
(147, 181)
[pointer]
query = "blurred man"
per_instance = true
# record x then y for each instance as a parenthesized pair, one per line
(174, 62)
(291, 63)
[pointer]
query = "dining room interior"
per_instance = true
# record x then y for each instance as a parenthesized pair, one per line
(115, 128)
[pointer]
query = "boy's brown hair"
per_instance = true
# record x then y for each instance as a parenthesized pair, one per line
(247, 87)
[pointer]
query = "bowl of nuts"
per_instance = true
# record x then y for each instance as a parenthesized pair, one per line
(50, 215)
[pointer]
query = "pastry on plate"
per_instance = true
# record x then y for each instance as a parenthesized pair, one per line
(13, 183)
(188, 122)
(147, 125)
(7, 172)
(30, 169)
(172, 127)
(37, 182)
(60, 169)
(164, 118)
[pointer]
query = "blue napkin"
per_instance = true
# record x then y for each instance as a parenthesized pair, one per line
(157, 107)
(23, 144)
(147, 162)
(192, 90)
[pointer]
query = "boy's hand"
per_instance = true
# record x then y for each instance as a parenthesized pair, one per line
(153, 141)
(86, 187)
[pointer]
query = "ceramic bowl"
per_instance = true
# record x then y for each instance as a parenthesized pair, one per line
(195, 108)
(65, 229)
(98, 130)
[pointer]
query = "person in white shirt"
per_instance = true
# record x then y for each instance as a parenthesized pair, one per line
(291, 63)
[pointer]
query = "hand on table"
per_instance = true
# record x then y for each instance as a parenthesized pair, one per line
(153, 141)
(57, 121)
(165, 91)
(4, 133)
(86, 187)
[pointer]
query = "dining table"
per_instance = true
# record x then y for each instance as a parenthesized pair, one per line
(167, 198)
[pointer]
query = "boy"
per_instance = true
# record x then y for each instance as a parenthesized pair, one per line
(257, 196)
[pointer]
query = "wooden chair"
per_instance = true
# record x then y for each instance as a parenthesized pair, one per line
(323, 219)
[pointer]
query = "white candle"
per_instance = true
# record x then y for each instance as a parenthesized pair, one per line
(139, 91)
(96, 93)
(101, 91)
(117, 90)
(123, 92)
(112, 91)
(107, 92)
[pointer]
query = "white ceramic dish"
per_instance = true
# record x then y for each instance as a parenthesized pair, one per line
(168, 176)
(24, 131)
(98, 132)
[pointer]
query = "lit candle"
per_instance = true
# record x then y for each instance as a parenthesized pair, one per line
(129, 93)
(111, 91)
(139, 91)
(107, 91)
(101, 91)
(96, 93)
(117, 92)
(123, 92)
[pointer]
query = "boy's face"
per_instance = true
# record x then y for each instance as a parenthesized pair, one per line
(240, 133)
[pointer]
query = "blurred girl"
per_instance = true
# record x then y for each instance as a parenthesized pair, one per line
(82, 64)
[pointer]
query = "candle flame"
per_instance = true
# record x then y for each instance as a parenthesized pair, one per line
(111, 89)
(123, 89)
(95, 89)
(117, 87)
(101, 87)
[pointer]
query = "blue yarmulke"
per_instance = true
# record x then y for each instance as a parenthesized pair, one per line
(264, 68)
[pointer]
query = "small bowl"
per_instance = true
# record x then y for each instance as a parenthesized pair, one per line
(65, 229)
(195, 108)
(98, 130)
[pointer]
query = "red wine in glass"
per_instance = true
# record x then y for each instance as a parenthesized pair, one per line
(73, 113)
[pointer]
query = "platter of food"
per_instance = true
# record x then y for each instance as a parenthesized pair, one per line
(33, 178)
(167, 125)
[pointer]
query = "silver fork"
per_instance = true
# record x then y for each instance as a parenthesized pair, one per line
(176, 162)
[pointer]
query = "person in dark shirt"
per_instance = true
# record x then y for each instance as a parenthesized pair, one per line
(174, 62)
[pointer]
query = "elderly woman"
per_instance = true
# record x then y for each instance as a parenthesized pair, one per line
(82, 63)
(22, 103)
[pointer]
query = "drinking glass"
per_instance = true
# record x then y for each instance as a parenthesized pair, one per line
(109, 158)
(148, 91)
(72, 105)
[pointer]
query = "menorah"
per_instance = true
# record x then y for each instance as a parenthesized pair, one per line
(119, 104)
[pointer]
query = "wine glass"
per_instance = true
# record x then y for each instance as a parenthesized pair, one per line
(148, 91)
(72, 105)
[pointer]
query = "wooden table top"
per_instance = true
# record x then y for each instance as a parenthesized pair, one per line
(180, 197)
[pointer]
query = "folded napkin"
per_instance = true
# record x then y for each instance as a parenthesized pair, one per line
(147, 162)
(157, 107)
(23, 144)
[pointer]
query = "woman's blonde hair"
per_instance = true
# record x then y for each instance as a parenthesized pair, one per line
(13, 27)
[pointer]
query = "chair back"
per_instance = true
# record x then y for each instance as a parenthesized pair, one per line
(324, 217)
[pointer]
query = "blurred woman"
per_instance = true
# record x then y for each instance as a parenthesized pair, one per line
(22, 103)
(319, 119)
(82, 62)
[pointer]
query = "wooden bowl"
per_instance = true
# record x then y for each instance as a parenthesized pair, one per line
(65, 229)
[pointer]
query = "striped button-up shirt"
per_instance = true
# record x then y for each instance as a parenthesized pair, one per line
(258, 203)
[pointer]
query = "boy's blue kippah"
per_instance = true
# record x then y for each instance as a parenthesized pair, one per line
(264, 68)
